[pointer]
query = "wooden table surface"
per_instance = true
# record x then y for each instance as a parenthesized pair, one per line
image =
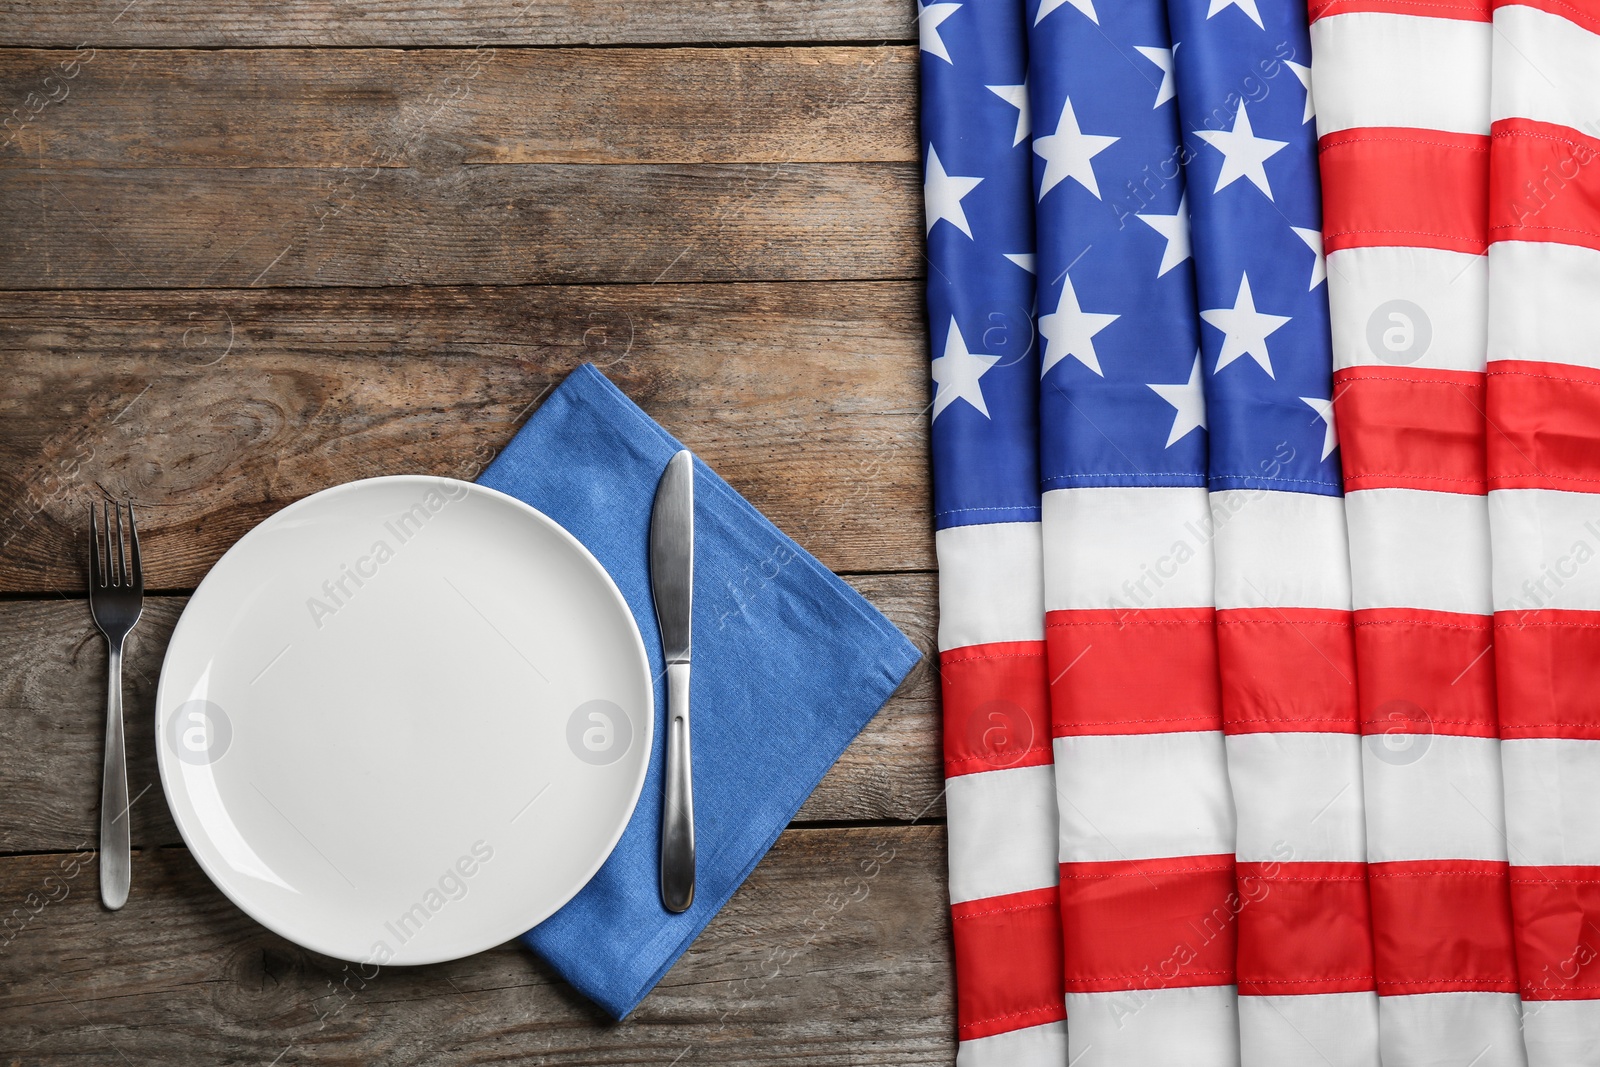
(251, 250)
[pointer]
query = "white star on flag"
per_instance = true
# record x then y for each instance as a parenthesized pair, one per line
(1324, 410)
(929, 16)
(1245, 330)
(1190, 401)
(1161, 57)
(1247, 6)
(1022, 259)
(1067, 153)
(1017, 97)
(1047, 6)
(1070, 331)
(1175, 228)
(942, 193)
(1303, 72)
(1243, 153)
(956, 374)
(1319, 265)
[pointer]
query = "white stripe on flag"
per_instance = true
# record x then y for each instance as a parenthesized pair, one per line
(1451, 1030)
(1002, 831)
(1544, 302)
(1143, 796)
(1193, 1026)
(1552, 797)
(1439, 799)
(1373, 287)
(1130, 548)
(1280, 550)
(1032, 1046)
(1331, 1028)
(1401, 70)
(1562, 1031)
(1420, 550)
(1547, 70)
(989, 584)
(1303, 794)
(1546, 549)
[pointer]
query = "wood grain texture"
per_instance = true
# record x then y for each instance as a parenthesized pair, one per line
(447, 107)
(419, 23)
(88, 228)
(213, 410)
(255, 250)
(52, 692)
(834, 952)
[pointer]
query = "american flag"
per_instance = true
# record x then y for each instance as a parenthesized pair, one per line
(1543, 413)
(1268, 742)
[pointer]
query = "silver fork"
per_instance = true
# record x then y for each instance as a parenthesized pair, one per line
(116, 597)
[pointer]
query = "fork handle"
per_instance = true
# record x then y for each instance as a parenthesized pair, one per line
(115, 849)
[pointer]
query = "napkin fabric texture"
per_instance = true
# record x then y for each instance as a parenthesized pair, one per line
(789, 664)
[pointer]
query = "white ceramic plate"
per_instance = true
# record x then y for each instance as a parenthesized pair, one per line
(403, 720)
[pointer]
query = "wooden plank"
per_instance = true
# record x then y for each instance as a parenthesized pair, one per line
(836, 951)
(444, 107)
(215, 409)
(52, 696)
(419, 23)
(81, 227)
(504, 225)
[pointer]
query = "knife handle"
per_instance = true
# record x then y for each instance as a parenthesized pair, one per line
(677, 812)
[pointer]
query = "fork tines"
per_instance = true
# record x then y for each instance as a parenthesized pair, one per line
(116, 564)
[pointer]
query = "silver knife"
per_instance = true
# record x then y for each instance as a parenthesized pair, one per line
(672, 586)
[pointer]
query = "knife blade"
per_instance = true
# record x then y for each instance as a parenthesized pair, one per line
(672, 588)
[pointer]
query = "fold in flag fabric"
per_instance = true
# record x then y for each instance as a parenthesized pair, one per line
(1543, 405)
(1000, 792)
(1270, 582)
(1286, 654)
(1148, 901)
(1402, 94)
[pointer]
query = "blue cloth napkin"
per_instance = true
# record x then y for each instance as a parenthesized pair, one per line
(789, 664)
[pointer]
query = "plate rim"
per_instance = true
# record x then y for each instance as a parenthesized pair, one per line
(164, 758)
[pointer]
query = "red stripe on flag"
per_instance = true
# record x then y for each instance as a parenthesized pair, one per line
(1558, 931)
(1554, 660)
(1402, 428)
(1147, 671)
(1426, 672)
(1544, 419)
(1441, 926)
(1585, 13)
(1149, 924)
(1305, 928)
(1008, 963)
(1287, 669)
(1387, 185)
(1463, 10)
(996, 707)
(1542, 186)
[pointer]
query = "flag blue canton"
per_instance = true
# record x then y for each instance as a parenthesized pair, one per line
(979, 219)
(1120, 401)
(1250, 150)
